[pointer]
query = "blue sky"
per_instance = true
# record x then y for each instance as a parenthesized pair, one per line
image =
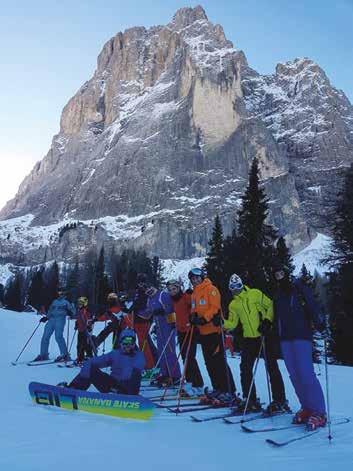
(49, 49)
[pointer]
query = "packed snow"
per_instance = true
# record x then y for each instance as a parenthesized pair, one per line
(41, 438)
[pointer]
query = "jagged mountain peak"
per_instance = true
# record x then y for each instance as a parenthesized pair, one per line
(186, 16)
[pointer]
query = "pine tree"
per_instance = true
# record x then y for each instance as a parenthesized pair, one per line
(102, 285)
(283, 254)
(157, 269)
(306, 277)
(13, 299)
(36, 295)
(215, 263)
(52, 284)
(255, 236)
(72, 284)
(341, 259)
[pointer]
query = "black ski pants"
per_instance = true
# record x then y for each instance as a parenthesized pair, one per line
(216, 364)
(104, 383)
(193, 373)
(84, 347)
(249, 353)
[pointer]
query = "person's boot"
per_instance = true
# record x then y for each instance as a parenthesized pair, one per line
(301, 417)
(315, 421)
(278, 407)
(41, 358)
(62, 358)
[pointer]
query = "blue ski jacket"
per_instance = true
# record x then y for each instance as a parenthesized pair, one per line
(61, 307)
(295, 311)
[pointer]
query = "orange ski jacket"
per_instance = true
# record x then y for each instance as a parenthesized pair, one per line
(206, 303)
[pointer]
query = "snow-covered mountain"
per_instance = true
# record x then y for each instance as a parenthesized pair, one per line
(160, 140)
(38, 438)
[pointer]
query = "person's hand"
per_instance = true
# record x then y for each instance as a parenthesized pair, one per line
(44, 319)
(265, 327)
(194, 319)
(217, 320)
(158, 312)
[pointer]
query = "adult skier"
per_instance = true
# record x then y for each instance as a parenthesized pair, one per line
(142, 325)
(254, 311)
(117, 318)
(295, 311)
(83, 325)
(182, 307)
(126, 363)
(55, 322)
(160, 308)
(206, 316)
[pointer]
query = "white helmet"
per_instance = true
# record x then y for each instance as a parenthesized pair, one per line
(235, 283)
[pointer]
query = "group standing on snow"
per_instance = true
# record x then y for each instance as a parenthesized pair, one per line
(271, 328)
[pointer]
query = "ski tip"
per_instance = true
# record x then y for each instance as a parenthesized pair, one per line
(195, 419)
(227, 421)
(272, 442)
(246, 429)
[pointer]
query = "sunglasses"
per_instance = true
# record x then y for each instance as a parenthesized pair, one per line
(128, 341)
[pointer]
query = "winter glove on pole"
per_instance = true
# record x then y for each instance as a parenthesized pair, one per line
(196, 320)
(44, 319)
(217, 320)
(265, 327)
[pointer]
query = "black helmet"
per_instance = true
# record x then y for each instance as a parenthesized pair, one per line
(197, 272)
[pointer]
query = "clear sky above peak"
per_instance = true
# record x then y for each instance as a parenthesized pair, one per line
(49, 49)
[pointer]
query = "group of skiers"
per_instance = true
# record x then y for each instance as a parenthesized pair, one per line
(195, 317)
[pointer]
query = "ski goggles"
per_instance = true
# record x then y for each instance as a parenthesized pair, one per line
(128, 341)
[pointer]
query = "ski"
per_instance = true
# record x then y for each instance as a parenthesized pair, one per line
(171, 398)
(247, 429)
(171, 406)
(68, 365)
(214, 417)
(40, 363)
(246, 418)
(291, 440)
(177, 410)
(288, 427)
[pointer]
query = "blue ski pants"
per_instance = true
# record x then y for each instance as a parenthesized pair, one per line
(168, 364)
(297, 356)
(57, 325)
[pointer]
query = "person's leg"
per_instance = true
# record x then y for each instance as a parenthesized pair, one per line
(276, 380)
(48, 332)
(218, 370)
(167, 336)
(312, 394)
(59, 334)
(142, 331)
(249, 353)
(193, 373)
(101, 381)
(289, 357)
(81, 345)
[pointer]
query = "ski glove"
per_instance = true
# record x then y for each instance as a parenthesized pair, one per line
(265, 327)
(44, 319)
(196, 320)
(158, 312)
(217, 320)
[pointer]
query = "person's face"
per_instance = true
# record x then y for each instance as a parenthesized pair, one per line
(61, 294)
(196, 280)
(279, 275)
(173, 290)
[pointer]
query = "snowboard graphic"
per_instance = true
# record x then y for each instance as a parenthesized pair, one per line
(116, 405)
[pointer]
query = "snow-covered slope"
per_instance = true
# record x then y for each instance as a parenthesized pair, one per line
(34, 438)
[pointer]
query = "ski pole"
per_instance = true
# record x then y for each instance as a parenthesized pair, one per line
(164, 348)
(266, 368)
(177, 360)
(225, 360)
(35, 330)
(327, 393)
(253, 377)
(68, 331)
(182, 380)
(72, 341)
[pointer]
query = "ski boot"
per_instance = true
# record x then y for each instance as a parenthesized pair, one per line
(315, 421)
(208, 396)
(187, 390)
(301, 417)
(223, 399)
(41, 358)
(253, 406)
(278, 407)
(62, 358)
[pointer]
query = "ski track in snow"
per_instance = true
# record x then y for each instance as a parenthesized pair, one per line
(38, 438)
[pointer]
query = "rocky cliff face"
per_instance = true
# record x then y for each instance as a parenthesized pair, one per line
(160, 139)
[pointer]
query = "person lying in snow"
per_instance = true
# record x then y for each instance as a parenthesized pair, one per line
(126, 362)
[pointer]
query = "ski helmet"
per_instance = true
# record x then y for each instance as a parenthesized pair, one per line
(127, 339)
(235, 283)
(112, 297)
(82, 301)
(174, 282)
(196, 272)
